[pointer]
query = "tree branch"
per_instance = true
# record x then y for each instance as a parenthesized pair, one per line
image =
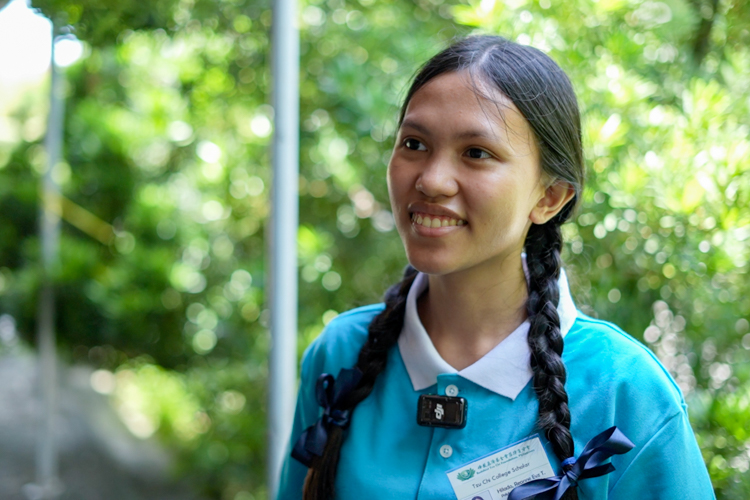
(702, 36)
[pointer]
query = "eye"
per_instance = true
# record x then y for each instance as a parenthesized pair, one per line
(414, 145)
(477, 154)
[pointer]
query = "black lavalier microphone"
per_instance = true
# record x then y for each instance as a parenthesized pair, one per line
(441, 411)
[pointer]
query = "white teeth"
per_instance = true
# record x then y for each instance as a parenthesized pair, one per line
(434, 222)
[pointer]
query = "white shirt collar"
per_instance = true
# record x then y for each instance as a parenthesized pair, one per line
(505, 370)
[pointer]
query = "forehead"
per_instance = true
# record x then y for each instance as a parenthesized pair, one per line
(457, 102)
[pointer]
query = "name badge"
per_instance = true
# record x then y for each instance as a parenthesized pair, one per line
(493, 476)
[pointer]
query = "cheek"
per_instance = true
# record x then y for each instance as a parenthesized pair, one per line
(390, 173)
(392, 183)
(398, 182)
(503, 211)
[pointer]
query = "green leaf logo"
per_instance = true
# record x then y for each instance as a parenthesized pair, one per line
(465, 474)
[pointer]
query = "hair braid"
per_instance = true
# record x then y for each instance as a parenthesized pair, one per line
(543, 246)
(383, 333)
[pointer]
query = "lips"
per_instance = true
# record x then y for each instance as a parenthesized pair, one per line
(435, 221)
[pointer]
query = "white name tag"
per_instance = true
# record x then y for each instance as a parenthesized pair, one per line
(494, 476)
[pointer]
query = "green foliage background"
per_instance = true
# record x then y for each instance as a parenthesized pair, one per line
(166, 139)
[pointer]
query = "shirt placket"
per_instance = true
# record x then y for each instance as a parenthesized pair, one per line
(446, 451)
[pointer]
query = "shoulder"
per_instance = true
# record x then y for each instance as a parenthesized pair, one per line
(339, 344)
(600, 355)
(615, 380)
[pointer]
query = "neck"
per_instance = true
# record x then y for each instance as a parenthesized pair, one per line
(467, 314)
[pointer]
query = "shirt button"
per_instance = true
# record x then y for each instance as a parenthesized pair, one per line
(446, 451)
(451, 390)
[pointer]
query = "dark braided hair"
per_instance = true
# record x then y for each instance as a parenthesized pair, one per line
(544, 95)
(543, 245)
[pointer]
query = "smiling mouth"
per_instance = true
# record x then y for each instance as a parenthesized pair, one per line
(435, 220)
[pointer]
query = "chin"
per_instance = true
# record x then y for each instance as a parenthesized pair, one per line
(428, 264)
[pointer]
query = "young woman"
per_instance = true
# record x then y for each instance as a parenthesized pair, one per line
(458, 386)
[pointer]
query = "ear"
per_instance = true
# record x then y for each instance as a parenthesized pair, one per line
(555, 197)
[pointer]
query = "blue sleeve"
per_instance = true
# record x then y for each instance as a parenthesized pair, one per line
(293, 472)
(668, 467)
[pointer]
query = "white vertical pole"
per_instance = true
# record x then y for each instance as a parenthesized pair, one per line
(282, 386)
(46, 455)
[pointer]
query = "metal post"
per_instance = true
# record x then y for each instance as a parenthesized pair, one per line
(283, 242)
(47, 482)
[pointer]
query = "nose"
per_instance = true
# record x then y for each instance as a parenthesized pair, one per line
(437, 178)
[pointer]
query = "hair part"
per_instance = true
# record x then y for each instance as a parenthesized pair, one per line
(545, 97)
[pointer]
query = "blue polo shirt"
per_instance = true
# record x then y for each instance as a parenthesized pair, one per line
(612, 380)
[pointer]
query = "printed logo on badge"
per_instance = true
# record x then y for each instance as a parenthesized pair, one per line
(465, 474)
(493, 476)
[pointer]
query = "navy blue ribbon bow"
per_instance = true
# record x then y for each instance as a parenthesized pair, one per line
(589, 464)
(329, 392)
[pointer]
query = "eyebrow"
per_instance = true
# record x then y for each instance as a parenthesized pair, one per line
(467, 134)
(416, 126)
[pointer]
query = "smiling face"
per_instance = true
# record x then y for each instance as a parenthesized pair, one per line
(464, 179)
